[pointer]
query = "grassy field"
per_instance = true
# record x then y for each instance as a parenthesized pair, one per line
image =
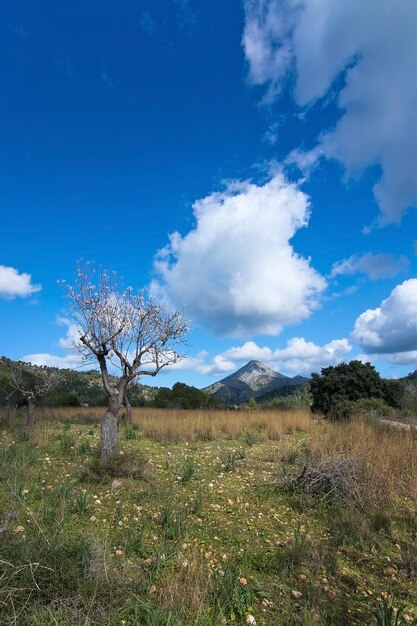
(208, 519)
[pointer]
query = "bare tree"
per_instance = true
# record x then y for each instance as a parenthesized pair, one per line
(118, 327)
(32, 384)
(128, 409)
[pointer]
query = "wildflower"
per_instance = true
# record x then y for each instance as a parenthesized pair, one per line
(93, 518)
(19, 529)
(25, 491)
(119, 552)
(250, 619)
(243, 581)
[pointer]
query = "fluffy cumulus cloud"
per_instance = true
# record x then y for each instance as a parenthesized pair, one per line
(374, 266)
(236, 271)
(391, 328)
(298, 357)
(70, 361)
(374, 44)
(303, 357)
(13, 284)
(249, 351)
(403, 358)
(217, 366)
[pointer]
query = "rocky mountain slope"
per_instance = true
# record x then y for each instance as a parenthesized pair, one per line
(253, 380)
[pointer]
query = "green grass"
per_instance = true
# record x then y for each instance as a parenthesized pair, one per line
(191, 533)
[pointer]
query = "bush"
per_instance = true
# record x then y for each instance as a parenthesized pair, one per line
(366, 407)
(346, 382)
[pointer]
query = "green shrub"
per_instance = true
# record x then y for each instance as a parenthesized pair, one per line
(365, 407)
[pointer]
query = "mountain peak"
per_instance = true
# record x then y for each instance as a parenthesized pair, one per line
(250, 381)
(254, 363)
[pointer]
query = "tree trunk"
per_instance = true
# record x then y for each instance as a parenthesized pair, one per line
(109, 436)
(30, 422)
(128, 410)
(8, 413)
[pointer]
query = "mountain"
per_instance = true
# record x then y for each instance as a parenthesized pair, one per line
(253, 380)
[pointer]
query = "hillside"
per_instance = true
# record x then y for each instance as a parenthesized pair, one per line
(253, 380)
(77, 387)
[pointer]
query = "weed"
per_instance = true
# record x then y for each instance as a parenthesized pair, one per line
(205, 435)
(126, 466)
(81, 504)
(15, 456)
(228, 596)
(131, 431)
(188, 470)
(387, 615)
(197, 503)
(63, 491)
(66, 443)
(84, 448)
(230, 459)
(137, 612)
(172, 522)
(250, 438)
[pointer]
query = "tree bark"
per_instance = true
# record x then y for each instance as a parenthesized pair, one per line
(30, 422)
(128, 410)
(8, 413)
(109, 435)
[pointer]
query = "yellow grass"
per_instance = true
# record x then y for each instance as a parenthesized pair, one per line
(388, 457)
(186, 425)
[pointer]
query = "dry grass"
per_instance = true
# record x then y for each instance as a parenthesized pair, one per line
(388, 464)
(174, 589)
(184, 425)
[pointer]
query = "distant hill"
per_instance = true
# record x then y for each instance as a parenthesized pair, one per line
(78, 387)
(253, 380)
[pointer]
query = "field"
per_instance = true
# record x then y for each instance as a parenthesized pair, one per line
(207, 519)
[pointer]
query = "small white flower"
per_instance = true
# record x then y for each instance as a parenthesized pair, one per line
(250, 619)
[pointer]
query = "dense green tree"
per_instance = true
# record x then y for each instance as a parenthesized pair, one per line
(348, 381)
(183, 396)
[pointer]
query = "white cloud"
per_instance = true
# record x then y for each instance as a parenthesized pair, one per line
(248, 352)
(374, 266)
(70, 361)
(72, 335)
(403, 358)
(298, 357)
(236, 271)
(13, 284)
(218, 365)
(375, 44)
(392, 327)
(303, 357)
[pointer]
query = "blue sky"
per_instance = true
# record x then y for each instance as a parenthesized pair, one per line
(277, 139)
